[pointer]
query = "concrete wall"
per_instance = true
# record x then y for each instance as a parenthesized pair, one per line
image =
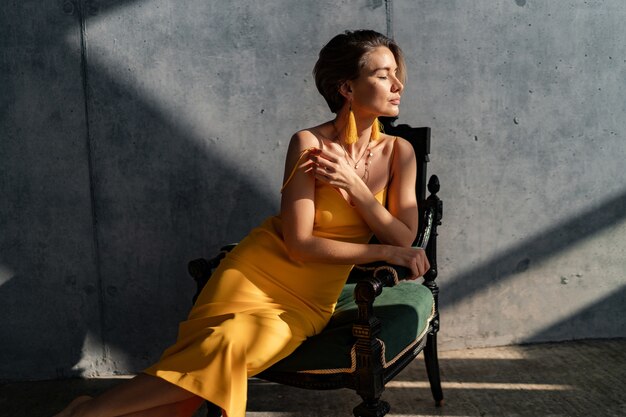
(526, 102)
(136, 135)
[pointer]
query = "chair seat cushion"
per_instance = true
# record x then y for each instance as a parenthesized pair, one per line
(404, 310)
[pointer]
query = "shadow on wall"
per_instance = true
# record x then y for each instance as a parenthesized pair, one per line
(550, 243)
(160, 198)
(603, 317)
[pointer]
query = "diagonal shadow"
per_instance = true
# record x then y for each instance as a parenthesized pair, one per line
(154, 196)
(45, 222)
(173, 174)
(517, 259)
(601, 318)
(178, 200)
(161, 198)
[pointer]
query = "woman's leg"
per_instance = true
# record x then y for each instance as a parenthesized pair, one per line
(69, 409)
(182, 409)
(144, 392)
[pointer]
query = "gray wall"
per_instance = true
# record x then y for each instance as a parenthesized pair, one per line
(136, 135)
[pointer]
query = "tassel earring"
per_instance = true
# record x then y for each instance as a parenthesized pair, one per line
(350, 132)
(377, 127)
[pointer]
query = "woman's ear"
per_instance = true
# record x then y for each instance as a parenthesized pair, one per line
(346, 90)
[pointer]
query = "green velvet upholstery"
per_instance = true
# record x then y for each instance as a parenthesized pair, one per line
(404, 311)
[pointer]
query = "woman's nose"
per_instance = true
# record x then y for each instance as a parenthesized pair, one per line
(397, 86)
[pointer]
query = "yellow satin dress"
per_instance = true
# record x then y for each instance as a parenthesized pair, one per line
(259, 306)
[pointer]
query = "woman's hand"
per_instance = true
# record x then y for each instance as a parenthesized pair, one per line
(329, 167)
(413, 258)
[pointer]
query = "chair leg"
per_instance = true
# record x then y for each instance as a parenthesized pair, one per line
(432, 368)
(371, 408)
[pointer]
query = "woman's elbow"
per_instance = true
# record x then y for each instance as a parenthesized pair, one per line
(296, 255)
(296, 250)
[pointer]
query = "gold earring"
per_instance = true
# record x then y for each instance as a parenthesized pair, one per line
(377, 127)
(350, 132)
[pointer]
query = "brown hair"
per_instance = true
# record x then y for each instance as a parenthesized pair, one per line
(342, 58)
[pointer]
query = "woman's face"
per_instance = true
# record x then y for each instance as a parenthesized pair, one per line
(377, 89)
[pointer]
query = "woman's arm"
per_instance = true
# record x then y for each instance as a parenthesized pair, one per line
(298, 214)
(395, 225)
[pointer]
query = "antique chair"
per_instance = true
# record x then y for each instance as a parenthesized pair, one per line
(375, 332)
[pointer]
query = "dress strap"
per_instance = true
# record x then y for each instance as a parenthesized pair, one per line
(303, 154)
(393, 155)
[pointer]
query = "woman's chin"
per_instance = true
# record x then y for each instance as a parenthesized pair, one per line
(391, 113)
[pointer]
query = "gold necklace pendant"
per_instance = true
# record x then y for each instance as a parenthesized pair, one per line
(367, 151)
(367, 161)
(369, 155)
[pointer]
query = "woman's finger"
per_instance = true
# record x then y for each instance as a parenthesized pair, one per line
(328, 156)
(323, 164)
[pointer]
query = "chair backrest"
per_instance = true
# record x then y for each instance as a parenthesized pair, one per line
(419, 137)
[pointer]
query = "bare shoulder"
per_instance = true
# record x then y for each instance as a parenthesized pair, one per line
(402, 151)
(403, 145)
(396, 145)
(304, 139)
(403, 156)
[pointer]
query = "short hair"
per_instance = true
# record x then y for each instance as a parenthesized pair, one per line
(342, 58)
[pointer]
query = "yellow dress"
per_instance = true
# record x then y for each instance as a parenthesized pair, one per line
(259, 306)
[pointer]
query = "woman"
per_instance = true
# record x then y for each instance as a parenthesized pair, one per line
(344, 181)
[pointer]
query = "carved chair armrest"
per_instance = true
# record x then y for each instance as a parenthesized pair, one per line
(373, 277)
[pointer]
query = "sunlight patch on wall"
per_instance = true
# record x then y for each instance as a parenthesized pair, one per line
(208, 91)
(6, 274)
(97, 362)
(545, 293)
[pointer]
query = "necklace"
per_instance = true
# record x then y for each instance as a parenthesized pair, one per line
(356, 163)
(368, 152)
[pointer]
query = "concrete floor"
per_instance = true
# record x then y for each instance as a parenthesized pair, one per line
(584, 378)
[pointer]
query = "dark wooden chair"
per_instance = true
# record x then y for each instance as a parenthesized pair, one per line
(381, 322)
